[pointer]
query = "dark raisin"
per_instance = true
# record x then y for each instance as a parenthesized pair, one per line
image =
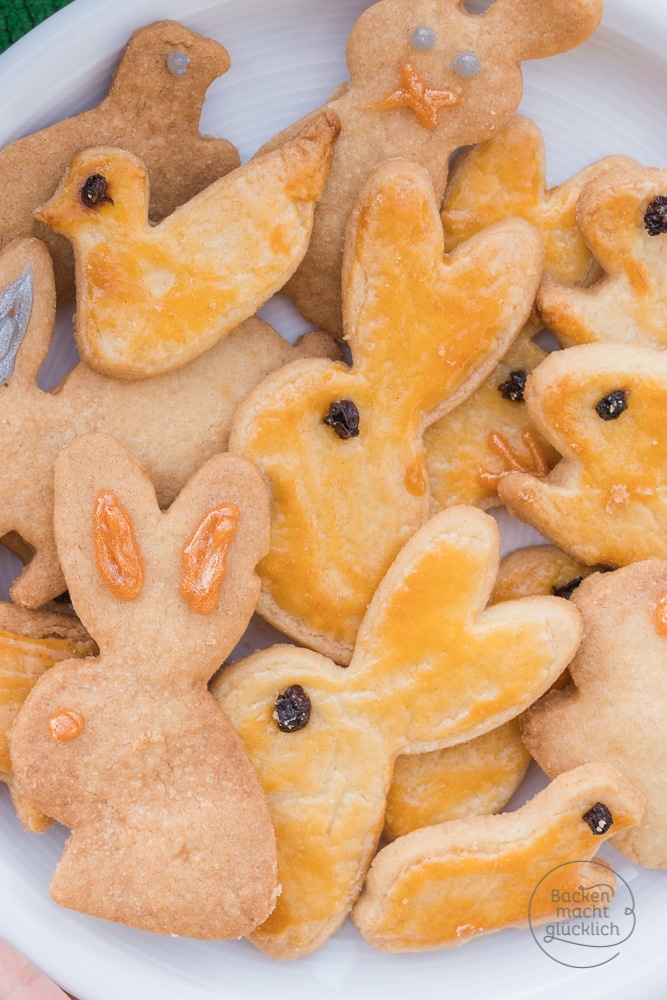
(514, 386)
(343, 417)
(655, 217)
(612, 405)
(568, 588)
(94, 191)
(292, 709)
(598, 818)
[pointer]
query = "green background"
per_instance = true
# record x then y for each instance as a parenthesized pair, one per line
(19, 16)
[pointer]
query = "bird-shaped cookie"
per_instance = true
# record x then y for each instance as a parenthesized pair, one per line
(152, 109)
(151, 298)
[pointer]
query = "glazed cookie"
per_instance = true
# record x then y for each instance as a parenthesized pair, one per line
(539, 569)
(341, 447)
(153, 109)
(152, 297)
(441, 886)
(324, 739)
(615, 709)
(603, 407)
(623, 218)
(173, 422)
(170, 827)
(426, 77)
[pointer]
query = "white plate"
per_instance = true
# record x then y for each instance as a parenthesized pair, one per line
(606, 97)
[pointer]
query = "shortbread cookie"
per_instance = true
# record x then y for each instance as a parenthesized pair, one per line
(341, 447)
(173, 423)
(539, 569)
(603, 407)
(615, 709)
(441, 886)
(170, 827)
(152, 297)
(426, 77)
(152, 109)
(324, 739)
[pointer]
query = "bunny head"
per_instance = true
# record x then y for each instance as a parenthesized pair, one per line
(129, 749)
(341, 447)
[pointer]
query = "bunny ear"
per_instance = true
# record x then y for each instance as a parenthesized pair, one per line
(533, 29)
(27, 310)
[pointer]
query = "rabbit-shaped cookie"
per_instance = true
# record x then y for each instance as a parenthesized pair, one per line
(170, 828)
(432, 666)
(150, 416)
(426, 77)
(341, 446)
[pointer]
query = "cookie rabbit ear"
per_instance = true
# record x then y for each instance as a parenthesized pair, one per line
(538, 28)
(27, 311)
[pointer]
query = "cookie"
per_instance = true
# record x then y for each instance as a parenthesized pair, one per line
(614, 710)
(444, 885)
(150, 298)
(603, 407)
(152, 109)
(426, 78)
(424, 331)
(323, 739)
(170, 827)
(173, 423)
(539, 569)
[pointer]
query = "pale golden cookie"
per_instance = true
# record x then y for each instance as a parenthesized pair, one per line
(603, 407)
(615, 711)
(441, 886)
(341, 446)
(433, 666)
(539, 569)
(173, 423)
(152, 297)
(170, 827)
(152, 109)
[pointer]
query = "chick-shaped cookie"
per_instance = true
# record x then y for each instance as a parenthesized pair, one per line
(341, 446)
(170, 828)
(603, 407)
(432, 666)
(443, 885)
(623, 218)
(150, 298)
(615, 709)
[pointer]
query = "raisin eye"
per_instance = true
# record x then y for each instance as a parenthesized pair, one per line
(655, 217)
(612, 405)
(598, 818)
(568, 588)
(292, 710)
(514, 387)
(343, 417)
(94, 191)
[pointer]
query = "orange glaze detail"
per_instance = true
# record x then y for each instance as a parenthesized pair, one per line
(118, 558)
(661, 615)
(414, 94)
(66, 724)
(205, 558)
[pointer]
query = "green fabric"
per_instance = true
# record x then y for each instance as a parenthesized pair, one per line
(19, 16)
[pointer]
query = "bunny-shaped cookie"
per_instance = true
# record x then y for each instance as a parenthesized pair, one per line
(150, 416)
(341, 446)
(432, 666)
(426, 77)
(170, 828)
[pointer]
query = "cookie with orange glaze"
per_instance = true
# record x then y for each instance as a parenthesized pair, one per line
(152, 297)
(603, 407)
(324, 739)
(170, 827)
(443, 885)
(623, 219)
(426, 77)
(341, 446)
(614, 710)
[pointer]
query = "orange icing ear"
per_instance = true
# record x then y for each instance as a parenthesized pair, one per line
(116, 551)
(205, 558)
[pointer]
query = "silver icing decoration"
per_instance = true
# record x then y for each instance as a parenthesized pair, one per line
(467, 65)
(177, 63)
(422, 38)
(15, 310)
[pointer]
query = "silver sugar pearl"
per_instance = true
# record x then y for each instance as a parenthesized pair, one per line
(422, 39)
(466, 65)
(177, 63)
